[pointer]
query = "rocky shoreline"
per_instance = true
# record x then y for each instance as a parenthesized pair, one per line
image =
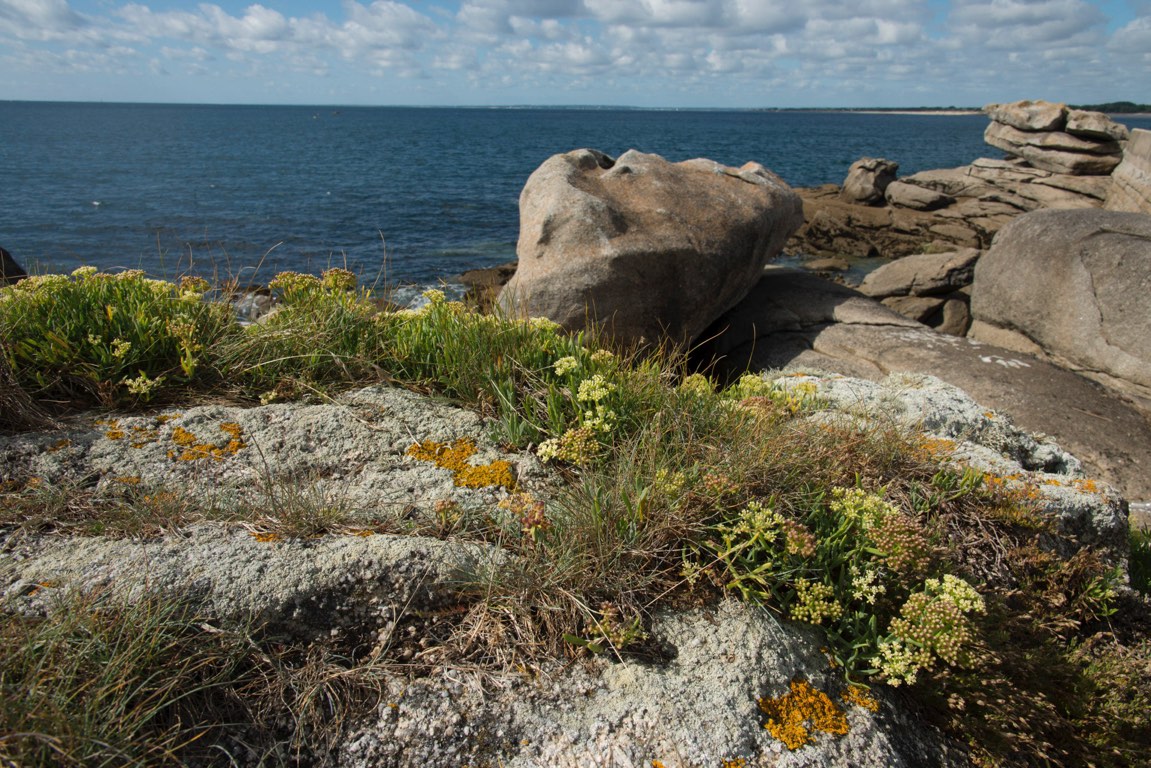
(373, 521)
(932, 229)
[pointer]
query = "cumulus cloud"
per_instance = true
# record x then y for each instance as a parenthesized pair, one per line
(780, 50)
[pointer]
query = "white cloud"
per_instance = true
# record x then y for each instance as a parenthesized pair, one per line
(769, 51)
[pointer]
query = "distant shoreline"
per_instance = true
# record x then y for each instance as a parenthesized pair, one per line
(913, 111)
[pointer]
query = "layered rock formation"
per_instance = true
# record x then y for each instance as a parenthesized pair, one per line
(1053, 138)
(650, 250)
(1058, 158)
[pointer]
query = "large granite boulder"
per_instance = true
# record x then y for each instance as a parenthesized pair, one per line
(648, 249)
(1078, 285)
(867, 180)
(1131, 181)
(793, 319)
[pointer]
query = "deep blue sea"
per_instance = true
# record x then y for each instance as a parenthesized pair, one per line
(418, 194)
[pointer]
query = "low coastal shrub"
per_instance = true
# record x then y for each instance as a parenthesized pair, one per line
(111, 339)
(922, 574)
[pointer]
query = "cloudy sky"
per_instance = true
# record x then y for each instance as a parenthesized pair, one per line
(658, 53)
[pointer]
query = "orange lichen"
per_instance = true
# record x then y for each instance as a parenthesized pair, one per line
(195, 449)
(129, 480)
(113, 431)
(141, 436)
(455, 457)
(59, 445)
(795, 716)
(164, 418)
(858, 695)
(733, 762)
(265, 537)
(933, 447)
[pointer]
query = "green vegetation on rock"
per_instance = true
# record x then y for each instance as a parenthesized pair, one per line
(669, 490)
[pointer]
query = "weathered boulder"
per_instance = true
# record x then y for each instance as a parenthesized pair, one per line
(928, 287)
(10, 271)
(650, 250)
(1131, 181)
(1077, 284)
(1029, 115)
(793, 319)
(867, 180)
(912, 196)
(924, 274)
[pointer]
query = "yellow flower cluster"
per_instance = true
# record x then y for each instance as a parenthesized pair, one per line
(455, 457)
(859, 506)
(576, 446)
(595, 389)
(794, 717)
(565, 365)
(931, 624)
(866, 584)
(696, 384)
(815, 601)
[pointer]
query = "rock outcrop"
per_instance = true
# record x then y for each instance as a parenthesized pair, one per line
(1077, 285)
(929, 287)
(649, 249)
(1051, 147)
(1052, 138)
(1131, 181)
(793, 319)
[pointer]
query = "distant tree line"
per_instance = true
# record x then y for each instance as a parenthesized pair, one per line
(1115, 107)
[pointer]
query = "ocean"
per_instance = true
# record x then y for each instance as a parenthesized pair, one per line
(411, 195)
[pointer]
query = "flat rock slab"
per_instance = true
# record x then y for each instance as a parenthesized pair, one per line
(794, 319)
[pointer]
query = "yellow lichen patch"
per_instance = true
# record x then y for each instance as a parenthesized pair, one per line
(129, 480)
(265, 537)
(141, 436)
(455, 457)
(194, 449)
(733, 762)
(933, 447)
(795, 716)
(858, 695)
(164, 418)
(59, 445)
(112, 429)
(1087, 486)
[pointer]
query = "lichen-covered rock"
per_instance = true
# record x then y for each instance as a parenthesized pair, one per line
(696, 707)
(353, 451)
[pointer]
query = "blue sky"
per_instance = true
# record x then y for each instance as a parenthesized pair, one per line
(655, 53)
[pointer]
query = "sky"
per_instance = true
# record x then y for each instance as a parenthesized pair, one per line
(644, 53)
